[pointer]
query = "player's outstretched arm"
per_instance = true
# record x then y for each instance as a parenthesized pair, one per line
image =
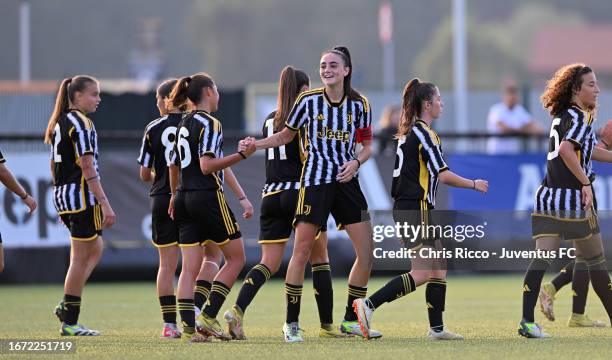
(451, 179)
(8, 179)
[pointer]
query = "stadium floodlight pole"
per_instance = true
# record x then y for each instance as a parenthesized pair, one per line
(385, 32)
(460, 69)
(24, 42)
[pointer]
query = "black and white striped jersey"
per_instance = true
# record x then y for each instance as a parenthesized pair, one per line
(573, 125)
(330, 132)
(283, 163)
(561, 190)
(73, 137)
(2, 159)
(198, 134)
(156, 148)
(418, 163)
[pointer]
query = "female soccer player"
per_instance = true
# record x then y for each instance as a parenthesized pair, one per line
(198, 202)
(335, 119)
(565, 207)
(157, 145)
(8, 180)
(78, 195)
(418, 168)
(280, 195)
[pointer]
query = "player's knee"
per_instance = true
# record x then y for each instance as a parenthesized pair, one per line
(272, 264)
(236, 260)
(597, 262)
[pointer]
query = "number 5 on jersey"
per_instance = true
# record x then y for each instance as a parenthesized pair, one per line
(554, 135)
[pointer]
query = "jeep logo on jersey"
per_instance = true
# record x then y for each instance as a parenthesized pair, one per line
(327, 133)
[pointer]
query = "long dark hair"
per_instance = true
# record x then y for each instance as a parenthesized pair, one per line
(344, 53)
(190, 88)
(415, 92)
(65, 94)
(560, 89)
(163, 91)
(289, 85)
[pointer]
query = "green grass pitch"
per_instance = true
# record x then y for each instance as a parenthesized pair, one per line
(485, 309)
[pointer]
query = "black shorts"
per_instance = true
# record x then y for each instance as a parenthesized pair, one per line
(84, 225)
(415, 213)
(543, 225)
(277, 214)
(344, 201)
(203, 217)
(165, 231)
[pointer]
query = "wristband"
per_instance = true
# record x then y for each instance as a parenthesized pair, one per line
(241, 154)
(93, 178)
(589, 184)
(24, 197)
(358, 162)
(242, 198)
(474, 186)
(605, 143)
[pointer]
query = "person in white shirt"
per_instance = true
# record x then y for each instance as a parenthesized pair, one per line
(509, 117)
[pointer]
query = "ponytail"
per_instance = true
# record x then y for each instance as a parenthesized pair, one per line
(289, 85)
(415, 92)
(163, 91)
(344, 53)
(190, 88)
(65, 94)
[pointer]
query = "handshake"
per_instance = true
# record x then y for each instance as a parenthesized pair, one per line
(247, 147)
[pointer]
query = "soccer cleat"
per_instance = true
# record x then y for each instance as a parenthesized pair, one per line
(171, 331)
(331, 332)
(292, 332)
(353, 328)
(364, 316)
(443, 335)
(582, 320)
(531, 330)
(547, 299)
(210, 327)
(194, 337)
(77, 330)
(233, 318)
(59, 311)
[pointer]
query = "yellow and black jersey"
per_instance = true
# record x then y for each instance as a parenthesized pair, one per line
(418, 163)
(283, 163)
(73, 137)
(330, 132)
(156, 148)
(198, 134)
(2, 159)
(561, 190)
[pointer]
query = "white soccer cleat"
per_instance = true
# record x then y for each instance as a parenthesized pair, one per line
(364, 317)
(292, 332)
(443, 335)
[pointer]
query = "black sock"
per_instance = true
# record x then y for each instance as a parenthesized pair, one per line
(580, 286)
(254, 280)
(324, 292)
(435, 296)
(600, 278)
(564, 276)
(72, 308)
(187, 312)
(168, 308)
(201, 293)
(531, 286)
(294, 299)
(394, 289)
(354, 293)
(217, 296)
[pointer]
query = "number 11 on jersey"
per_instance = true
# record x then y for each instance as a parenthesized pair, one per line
(270, 151)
